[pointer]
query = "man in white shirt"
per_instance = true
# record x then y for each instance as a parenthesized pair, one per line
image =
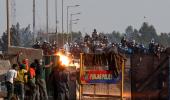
(10, 76)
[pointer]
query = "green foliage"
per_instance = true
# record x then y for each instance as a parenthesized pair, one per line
(19, 37)
(148, 32)
(129, 32)
(114, 37)
(4, 41)
(143, 35)
(15, 37)
(164, 39)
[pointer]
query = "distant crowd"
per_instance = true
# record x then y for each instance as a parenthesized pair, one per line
(99, 43)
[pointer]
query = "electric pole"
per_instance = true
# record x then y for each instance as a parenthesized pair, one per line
(33, 20)
(8, 29)
(47, 19)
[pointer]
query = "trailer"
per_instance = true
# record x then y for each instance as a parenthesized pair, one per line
(150, 76)
(101, 76)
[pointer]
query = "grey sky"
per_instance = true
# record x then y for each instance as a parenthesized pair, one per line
(104, 15)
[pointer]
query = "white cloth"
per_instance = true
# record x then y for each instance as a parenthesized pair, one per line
(10, 75)
(67, 47)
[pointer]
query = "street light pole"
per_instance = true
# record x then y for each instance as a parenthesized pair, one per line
(67, 13)
(71, 23)
(8, 30)
(62, 22)
(71, 27)
(67, 21)
(33, 20)
(67, 17)
(47, 19)
(56, 19)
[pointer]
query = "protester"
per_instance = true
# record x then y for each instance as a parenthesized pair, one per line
(11, 75)
(60, 78)
(20, 81)
(31, 82)
(37, 45)
(24, 61)
(40, 78)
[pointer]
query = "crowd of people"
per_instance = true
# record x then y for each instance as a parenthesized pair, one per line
(48, 48)
(99, 43)
(27, 82)
(132, 47)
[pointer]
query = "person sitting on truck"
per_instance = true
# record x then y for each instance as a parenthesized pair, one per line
(95, 35)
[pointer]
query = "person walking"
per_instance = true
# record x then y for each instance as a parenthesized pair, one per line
(10, 77)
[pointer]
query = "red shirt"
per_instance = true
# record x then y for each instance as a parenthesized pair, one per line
(32, 72)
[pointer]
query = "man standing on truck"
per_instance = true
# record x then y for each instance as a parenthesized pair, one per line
(10, 77)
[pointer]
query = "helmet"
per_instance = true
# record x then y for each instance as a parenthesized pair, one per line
(95, 31)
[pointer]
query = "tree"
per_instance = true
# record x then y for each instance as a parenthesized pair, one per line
(147, 33)
(129, 32)
(76, 35)
(4, 41)
(19, 37)
(114, 36)
(15, 36)
(164, 39)
(26, 37)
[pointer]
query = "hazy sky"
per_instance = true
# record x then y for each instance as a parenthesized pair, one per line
(104, 15)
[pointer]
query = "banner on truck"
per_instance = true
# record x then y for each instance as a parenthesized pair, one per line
(99, 76)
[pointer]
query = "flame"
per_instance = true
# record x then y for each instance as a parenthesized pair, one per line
(64, 59)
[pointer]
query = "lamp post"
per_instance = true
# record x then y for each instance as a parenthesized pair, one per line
(62, 22)
(67, 16)
(67, 13)
(73, 20)
(8, 30)
(56, 14)
(72, 27)
(47, 19)
(71, 24)
(33, 20)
